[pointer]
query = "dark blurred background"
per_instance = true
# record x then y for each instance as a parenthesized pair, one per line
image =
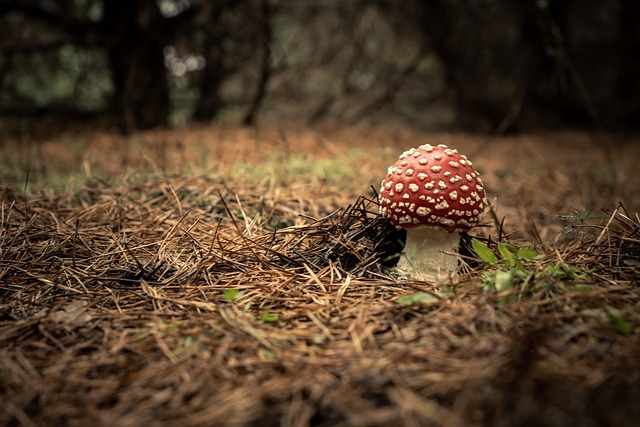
(479, 65)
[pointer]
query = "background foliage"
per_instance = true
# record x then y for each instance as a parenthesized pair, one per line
(491, 65)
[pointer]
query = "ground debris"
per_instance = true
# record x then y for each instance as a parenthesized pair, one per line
(203, 302)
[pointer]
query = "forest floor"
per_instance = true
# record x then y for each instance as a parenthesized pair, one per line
(223, 276)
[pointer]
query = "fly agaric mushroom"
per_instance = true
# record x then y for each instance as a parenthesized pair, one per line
(434, 193)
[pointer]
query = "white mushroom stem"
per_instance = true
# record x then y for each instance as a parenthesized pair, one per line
(423, 256)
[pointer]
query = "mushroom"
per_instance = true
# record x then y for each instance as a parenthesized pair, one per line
(434, 193)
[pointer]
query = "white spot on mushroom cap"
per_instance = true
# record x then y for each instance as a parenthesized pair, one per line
(406, 219)
(407, 153)
(442, 205)
(423, 211)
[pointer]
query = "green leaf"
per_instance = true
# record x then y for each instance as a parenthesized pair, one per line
(484, 252)
(579, 288)
(505, 252)
(562, 271)
(504, 280)
(489, 281)
(246, 307)
(267, 317)
(231, 294)
(513, 249)
(417, 298)
(188, 341)
(269, 354)
(526, 253)
(618, 323)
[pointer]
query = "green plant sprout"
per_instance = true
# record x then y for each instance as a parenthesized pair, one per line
(618, 322)
(231, 294)
(417, 298)
(268, 317)
(609, 314)
(576, 221)
(515, 267)
(510, 268)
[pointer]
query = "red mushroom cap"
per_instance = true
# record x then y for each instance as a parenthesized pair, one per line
(434, 186)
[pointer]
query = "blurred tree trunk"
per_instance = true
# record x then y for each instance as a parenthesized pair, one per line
(450, 29)
(134, 49)
(625, 110)
(214, 73)
(500, 79)
(266, 33)
(545, 78)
